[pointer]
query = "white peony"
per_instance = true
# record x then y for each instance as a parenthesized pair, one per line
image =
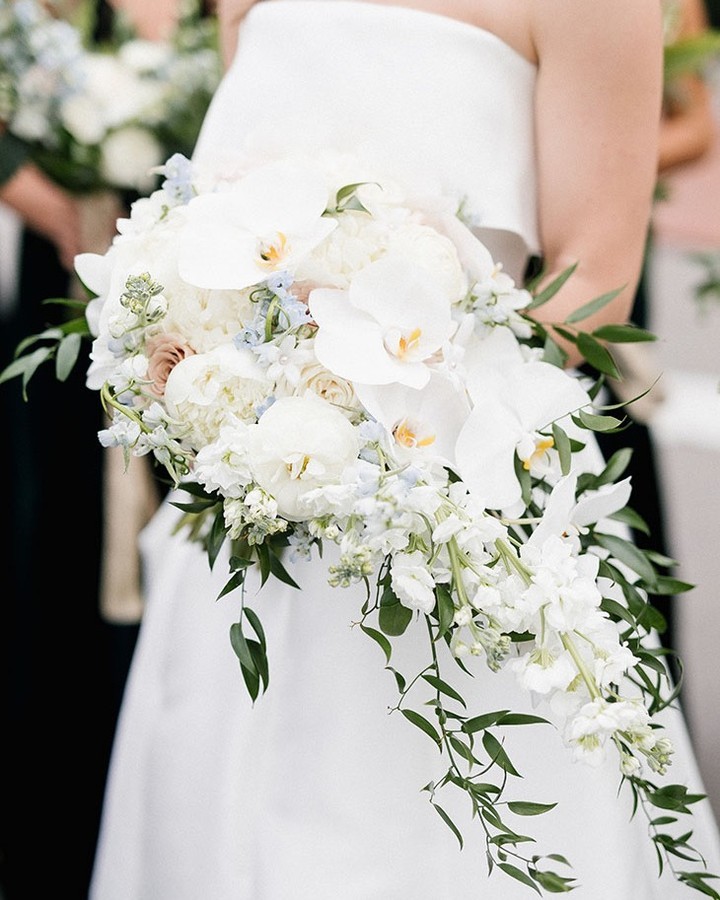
(205, 389)
(300, 444)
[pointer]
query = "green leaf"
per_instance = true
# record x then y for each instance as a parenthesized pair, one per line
(279, 570)
(240, 646)
(519, 875)
(623, 334)
(523, 808)
(216, 537)
(449, 822)
(445, 609)
(256, 625)
(562, 445)
(597, 355)
(553, 883)
(628, 553)
(379, 639)
(553, 353)
(615, 467)
(589, 309)
(393, 617)
(497, 754)
(549, 292)
(67, 354)
(512, 718)
(480, 723)
(422, 723)
(597, 423)
(443, 687)
(26, 366)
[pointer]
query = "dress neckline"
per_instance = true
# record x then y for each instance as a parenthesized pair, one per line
(448, 21)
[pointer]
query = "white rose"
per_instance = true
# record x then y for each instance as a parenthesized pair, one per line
(204, 390)
(336, 391)
(300, 444)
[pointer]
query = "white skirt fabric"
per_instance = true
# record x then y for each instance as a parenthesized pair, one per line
(314, 792)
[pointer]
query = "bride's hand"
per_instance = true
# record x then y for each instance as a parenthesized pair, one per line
(230, 13)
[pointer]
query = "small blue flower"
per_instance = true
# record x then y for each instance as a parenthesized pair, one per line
(178, 171)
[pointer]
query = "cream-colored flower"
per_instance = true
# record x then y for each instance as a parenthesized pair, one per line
(300, 444)
(204, 389)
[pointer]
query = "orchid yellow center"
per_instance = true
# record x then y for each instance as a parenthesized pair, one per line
(273, 251)
(542, 445)
(402, 344)
(406, 434)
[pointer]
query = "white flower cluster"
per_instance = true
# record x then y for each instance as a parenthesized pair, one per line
(112, 116)
(339, 365)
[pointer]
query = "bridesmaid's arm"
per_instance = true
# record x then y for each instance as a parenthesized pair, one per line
(599, 96)
(45, 208)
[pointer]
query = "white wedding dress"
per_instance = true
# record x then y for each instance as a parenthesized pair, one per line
(314, 792)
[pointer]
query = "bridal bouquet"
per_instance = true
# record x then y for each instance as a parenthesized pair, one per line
(103, 118)
(318, 355)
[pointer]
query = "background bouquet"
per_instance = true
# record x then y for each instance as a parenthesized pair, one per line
(102, 118)
(318, 355)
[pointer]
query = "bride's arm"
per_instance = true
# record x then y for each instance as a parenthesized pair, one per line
(598, 110)
(230, 13)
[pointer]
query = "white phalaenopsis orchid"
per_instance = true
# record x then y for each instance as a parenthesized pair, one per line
(267, 222)
(386, 327)
(423, 423)
(515, 401)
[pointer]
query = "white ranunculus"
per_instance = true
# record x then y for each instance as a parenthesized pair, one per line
(300, 444)
(127, 157)
(205, 389)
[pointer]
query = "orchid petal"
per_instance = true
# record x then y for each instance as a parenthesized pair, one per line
(485, 454)
(436, 414)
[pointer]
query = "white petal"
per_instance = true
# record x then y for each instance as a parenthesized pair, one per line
(608, 500)
(350, 343)
(485, 453)
(440, 410)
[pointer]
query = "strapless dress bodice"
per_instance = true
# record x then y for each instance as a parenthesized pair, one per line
(443, 104)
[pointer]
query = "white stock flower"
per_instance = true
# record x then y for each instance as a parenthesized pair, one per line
(298, 445)
(385, 327)
(266, 222)
(412, 582)
(543, 671)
